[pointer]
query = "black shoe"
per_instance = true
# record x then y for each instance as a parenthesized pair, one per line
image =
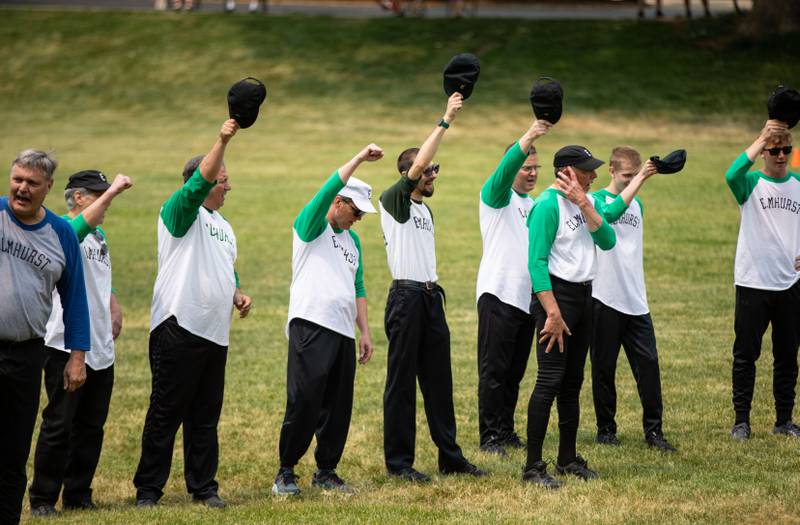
(80, 505)
(285, 483)
(607, 438)
(43, 510)
(493, 448)
(213, 501)
(657, 441)
(465, 468)
(741, 431)
(144, 503)
(512, 440)
(538, 475)
(578, 468)
(410, 474)
(329, 480)
(787, 429)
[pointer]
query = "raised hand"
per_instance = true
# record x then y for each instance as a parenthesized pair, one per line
(371, 153)
(121, 183)
(228, 130)
(454, 104)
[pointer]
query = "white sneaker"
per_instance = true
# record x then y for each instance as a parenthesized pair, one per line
(230, 5)
(253, 6)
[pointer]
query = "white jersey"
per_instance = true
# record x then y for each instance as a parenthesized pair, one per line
(619, 282)
(572, 256)
(769, 234)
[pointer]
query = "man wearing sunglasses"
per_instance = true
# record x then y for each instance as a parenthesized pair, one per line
(766, 274)
(71, 435)
(505, 329)
(419, 339)
(326, 299)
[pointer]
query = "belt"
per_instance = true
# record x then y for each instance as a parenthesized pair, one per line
(559, 279)
(419, 285)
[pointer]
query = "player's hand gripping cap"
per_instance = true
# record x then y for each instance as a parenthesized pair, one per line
(461, 74)
(784, 105)
(547, 99)
(672, 163)
(244, 99)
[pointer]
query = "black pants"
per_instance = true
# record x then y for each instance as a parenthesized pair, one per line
(505, 335)
(20, 384)
(419, 348)
(560, 375)
(635, 333)
(71, 435)
(188, 384)
(319, 394)
(755, 309)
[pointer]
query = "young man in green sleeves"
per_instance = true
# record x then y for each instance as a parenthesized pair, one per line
(195, 291)
(505, 330)
(326, 299)
(71, 435)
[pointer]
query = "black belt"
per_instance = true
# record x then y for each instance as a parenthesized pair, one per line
(419, 285)
(564, 281)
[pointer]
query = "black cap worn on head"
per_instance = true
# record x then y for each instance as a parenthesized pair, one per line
(547, 99)
(244, 99)
(88, 179)
(576, 156)
(672, 163)
(461, 74)
(784, 105)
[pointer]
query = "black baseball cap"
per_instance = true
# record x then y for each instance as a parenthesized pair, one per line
(672, 163)
(244, 99)
(547, 99)
(784, 105)
(577, 157)
(461, 74)
(88, 179)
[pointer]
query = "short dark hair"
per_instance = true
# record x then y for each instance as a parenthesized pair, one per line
(406, 159)
(531, 151)
(191, 166)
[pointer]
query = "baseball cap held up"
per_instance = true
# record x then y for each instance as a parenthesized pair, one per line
(360, 193)
(89, 179)
(784, 105)
(576, 156)
(461, 74)
(547, 98)
(672, 163)
(244, 99)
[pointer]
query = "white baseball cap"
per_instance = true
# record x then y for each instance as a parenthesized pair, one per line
(360, 193)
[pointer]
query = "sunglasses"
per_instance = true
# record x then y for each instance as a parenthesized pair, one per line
(777, 151)
(430, 170)
(356, 212)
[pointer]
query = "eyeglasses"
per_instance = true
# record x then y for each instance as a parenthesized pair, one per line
(356, 212)
(430, 170)
(776, 151)
(530, 169)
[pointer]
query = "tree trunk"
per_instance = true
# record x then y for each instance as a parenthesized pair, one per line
(772, 16)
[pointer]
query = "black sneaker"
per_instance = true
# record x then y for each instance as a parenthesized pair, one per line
(86, 504)
(410, 474)
(741, 431)
(607, 438)
(465, 468)
(43, 510)
(512, 440)
(145, 503)
(538, 475)
(493, 448)
(213, 501)
(285, 483)
(787, 429)
(578, 468)
(329, 480)
(657, 441)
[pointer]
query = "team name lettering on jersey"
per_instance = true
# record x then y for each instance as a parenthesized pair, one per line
(576, 221)
(218, 233)
(349, 257)
(523, 213)
(423, 223)
(24, 253)
(779, 203)
(628, 219)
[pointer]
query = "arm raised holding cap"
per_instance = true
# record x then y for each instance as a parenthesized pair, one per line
(212, 162)
(431, 144)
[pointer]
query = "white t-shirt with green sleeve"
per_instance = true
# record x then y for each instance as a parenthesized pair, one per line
(503, 271)
(560, 242)
(97, 276)
(327, 270)
(408, 234)
(196, 280)
(769, 234)
(619, 282)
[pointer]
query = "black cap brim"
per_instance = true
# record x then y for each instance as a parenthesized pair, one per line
(589, 164)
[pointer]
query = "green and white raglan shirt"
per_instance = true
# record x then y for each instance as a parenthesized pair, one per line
(620, 271)
(408, 233)
(560, 243)
(97, 275)
(769, 234)
(327, 272)
(196, 279)
(503, 271)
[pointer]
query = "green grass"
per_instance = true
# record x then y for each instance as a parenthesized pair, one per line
(141, 93)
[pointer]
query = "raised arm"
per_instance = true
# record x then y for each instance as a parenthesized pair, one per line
(431, 144)
(771, 127)
(94, 213)
(615, 209)
(212, 162)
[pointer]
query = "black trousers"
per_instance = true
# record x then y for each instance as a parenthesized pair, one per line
(71, 434)
(319, 394)
(560, 375)
(635, 333)
(755, 310)
(505, 335)
(20, 385)
(187, 388)
(419, 348)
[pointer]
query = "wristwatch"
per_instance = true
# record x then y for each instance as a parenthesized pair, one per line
(443, 124)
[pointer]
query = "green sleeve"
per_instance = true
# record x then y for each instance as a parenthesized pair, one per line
(613, 210)
(361, 291)
(180, 210)
(496, 192)
(396, 200)
(604, 236)
(311, 222)
(81, 228)
(739, 180)
(542, 229)
(236, 278)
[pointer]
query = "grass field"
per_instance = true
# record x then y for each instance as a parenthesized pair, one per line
(141, 93)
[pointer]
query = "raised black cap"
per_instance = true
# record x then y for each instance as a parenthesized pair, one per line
(244, 99)
(784, 105)
(547, 99)
(672, 163)
(461, 74)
